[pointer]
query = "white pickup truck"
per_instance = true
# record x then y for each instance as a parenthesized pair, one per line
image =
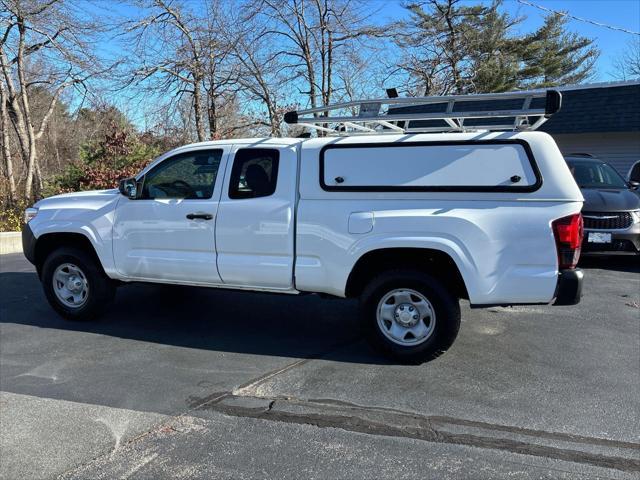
(407, 223)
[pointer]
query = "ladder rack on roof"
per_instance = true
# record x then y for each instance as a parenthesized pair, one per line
(390, 115)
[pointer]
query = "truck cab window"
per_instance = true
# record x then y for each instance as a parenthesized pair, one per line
(189, 176)
(254, 173)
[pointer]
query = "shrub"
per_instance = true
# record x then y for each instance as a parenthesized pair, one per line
(11, 215)
(102, 164)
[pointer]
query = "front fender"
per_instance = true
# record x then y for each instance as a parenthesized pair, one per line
(96, 225)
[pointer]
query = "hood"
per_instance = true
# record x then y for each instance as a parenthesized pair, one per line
(609, 200)
(89, 200)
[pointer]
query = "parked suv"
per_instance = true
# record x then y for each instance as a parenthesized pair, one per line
(408, 223)
(611, 209)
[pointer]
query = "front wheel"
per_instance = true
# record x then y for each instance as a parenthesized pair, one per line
(409, 316)
(75, 285)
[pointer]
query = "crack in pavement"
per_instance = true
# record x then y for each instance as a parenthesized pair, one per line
(439, 429)
(329, 413)
(197, 403)
(246, 388)
(474, 423)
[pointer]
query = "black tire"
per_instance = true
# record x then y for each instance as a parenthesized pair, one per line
(445, 306)
(101, 289)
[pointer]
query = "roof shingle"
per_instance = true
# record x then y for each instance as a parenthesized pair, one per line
(603, 108)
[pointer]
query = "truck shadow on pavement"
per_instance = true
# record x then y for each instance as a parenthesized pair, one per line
(218, 320)
(616, 263)
(222, 320)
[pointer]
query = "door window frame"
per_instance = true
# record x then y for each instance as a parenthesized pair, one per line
(220, 176)
(235, 171)
(163, 164)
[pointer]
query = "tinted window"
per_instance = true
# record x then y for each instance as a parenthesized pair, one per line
(590, 174)
(254, 173)
(635, 173)
(189, 175)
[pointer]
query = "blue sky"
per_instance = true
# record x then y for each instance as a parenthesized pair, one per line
(619, 13)
(611, 43)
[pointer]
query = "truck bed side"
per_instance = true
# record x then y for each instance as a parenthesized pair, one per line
(501, 242)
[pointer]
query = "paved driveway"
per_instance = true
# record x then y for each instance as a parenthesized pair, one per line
(196, 383)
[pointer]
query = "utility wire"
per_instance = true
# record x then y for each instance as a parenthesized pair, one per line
(586, 20)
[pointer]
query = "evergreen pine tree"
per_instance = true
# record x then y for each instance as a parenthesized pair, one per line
(552, 56)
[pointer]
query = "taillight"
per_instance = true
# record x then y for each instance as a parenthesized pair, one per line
(568, 232)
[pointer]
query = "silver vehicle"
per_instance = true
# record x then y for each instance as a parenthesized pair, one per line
(611, 209)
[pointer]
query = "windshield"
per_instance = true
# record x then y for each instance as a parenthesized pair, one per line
(590, 174)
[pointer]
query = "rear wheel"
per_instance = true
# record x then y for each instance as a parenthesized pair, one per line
(409, 316)
(75, 285)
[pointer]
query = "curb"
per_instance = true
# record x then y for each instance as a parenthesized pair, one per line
(10, 242)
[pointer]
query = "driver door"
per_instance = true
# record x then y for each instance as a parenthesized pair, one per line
(168, 233)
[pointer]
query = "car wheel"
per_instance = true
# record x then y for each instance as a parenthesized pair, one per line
(409, 316)
(75, 284)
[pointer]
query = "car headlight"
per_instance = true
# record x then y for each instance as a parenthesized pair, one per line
(29, 214)
(635, 214)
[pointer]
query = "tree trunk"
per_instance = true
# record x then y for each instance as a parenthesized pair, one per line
(26, 110)
(274, 120)
(197, 111)
(14, 111)
(327, 98)
(213, 117)
(38, 178)
(6, 149)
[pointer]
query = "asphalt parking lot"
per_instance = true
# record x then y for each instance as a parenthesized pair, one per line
(196, 383)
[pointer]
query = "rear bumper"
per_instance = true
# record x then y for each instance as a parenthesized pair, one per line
(29, 244)
(569, 288)
(568, 291)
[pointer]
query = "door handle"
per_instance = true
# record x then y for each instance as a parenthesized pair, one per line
(203, 216)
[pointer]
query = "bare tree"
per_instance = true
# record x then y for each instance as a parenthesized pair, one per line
(221, 75)
(43, 45)
(258, 82)
(6, 147)
(627, 65)
(259, 64)
(181, 54)
(312, 35)
(172, 58)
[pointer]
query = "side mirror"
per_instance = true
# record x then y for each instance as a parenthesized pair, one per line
(129, 188)
(634, 185)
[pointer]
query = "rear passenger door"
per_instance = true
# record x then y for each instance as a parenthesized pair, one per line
(254, 227)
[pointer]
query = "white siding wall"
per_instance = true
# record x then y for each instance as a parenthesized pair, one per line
(619, 149)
